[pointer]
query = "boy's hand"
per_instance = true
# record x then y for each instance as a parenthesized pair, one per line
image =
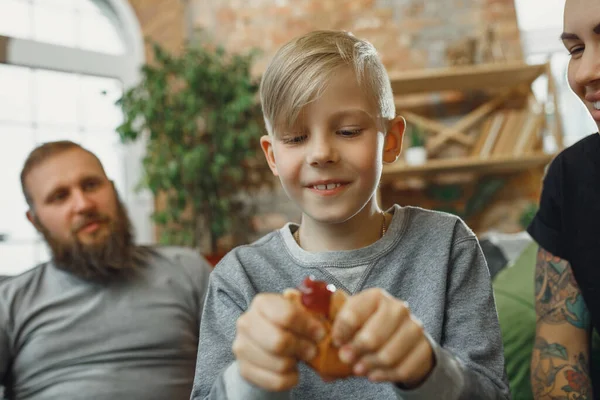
(271, 337)
(384, 341)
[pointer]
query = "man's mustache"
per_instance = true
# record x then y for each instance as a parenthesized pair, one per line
(90, 219)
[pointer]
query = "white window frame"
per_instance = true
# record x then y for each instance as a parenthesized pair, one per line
(125, 67)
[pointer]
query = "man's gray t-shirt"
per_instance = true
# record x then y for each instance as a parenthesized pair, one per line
(65, 338)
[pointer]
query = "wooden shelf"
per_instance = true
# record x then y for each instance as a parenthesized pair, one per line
(485, 76)
(493, 165)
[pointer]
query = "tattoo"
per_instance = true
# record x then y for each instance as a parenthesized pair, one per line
(554, 376)
(557, 295)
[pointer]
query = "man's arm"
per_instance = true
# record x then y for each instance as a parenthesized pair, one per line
(561, 355)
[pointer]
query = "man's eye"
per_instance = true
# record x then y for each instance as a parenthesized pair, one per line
(58, 197)
(90, 185)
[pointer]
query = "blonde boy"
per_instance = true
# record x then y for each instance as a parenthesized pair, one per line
(330, 116)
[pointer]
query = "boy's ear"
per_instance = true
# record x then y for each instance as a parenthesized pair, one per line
(393, 139)
(266, 144)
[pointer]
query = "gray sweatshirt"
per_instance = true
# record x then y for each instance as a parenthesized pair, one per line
(429, 259)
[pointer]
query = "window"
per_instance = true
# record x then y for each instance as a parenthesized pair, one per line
(81, 24)
(70, 62)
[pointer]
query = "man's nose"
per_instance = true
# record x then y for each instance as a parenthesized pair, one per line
(82, 202)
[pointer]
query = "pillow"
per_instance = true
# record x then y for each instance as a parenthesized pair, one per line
(514, 293)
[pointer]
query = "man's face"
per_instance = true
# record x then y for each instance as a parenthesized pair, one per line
(77, 210)
(72, 198)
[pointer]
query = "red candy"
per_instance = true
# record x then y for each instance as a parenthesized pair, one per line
(316, 295)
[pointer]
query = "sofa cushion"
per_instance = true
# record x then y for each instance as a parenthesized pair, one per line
(514, 292)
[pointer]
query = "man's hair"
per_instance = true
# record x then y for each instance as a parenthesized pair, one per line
(41, 154)
(300, 70)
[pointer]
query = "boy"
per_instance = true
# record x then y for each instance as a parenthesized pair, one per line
(330, 117)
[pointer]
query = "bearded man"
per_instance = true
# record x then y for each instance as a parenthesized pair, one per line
(104, 318)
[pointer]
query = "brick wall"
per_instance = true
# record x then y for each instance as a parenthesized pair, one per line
(409, 34)
(162, 21)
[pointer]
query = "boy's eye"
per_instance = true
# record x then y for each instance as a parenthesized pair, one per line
(294, 139)
(350, 132)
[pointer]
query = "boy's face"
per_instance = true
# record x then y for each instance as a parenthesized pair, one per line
(330, 162)
(581, 37)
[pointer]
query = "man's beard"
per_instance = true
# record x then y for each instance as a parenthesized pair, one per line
(109, 260)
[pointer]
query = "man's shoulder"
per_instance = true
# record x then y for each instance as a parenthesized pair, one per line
(24, 278)
(176, 256)
(15, 286)
(172, 253)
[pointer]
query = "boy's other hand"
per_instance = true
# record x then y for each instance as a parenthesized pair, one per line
(382, 339)
(271, 337)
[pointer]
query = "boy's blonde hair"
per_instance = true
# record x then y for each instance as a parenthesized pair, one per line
(300, 70)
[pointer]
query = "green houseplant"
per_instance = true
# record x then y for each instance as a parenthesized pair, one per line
(199, 116)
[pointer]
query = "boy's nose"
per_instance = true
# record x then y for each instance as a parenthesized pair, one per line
(322, 152)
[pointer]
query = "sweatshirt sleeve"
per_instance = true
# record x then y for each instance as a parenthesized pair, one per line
(469, 359)
(217, 376)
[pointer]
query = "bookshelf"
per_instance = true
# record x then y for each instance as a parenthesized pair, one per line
(502, 134)
(492, 165)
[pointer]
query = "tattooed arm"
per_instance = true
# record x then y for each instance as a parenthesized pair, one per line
(561, 355)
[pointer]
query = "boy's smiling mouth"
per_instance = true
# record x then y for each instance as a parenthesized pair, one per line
(327, 187)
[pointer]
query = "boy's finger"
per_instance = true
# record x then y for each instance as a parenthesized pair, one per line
(353, 314)
(289, 316)
(412, 371)
(273, 338)
(246, 350)
(392, 353)
(380, 327)
(268, 380)
(316, 328)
